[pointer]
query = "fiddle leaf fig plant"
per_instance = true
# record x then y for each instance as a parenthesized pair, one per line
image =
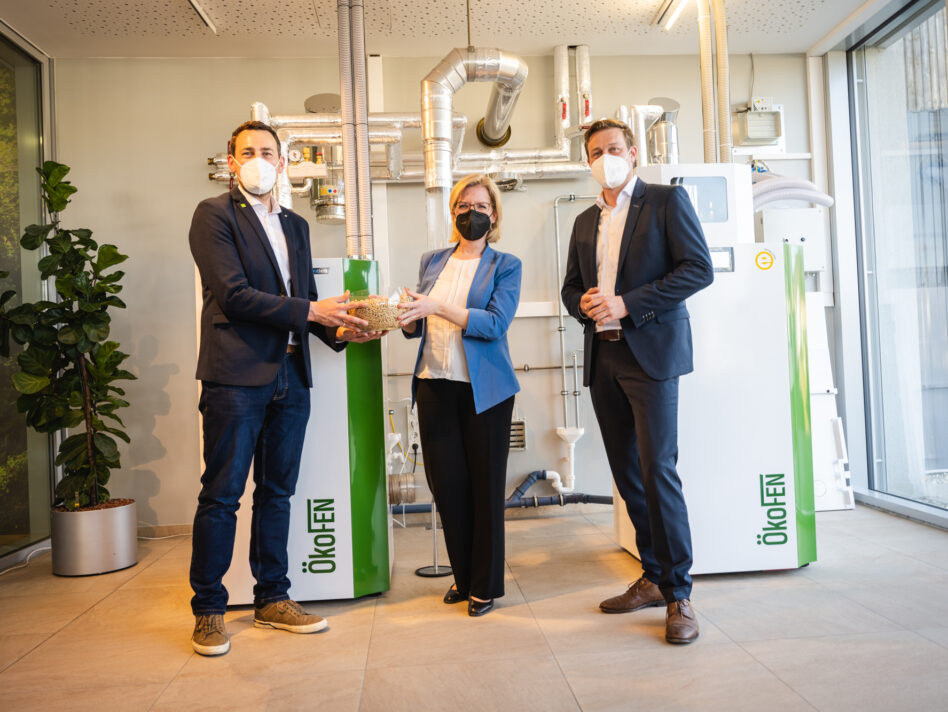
(69, 370)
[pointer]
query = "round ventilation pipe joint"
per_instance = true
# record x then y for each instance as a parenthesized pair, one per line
(492, 142)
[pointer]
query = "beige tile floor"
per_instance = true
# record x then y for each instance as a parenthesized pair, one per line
(865, 628)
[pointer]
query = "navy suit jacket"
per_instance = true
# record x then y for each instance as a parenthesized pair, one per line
(663, 260)
(491, 303)
(247, 315)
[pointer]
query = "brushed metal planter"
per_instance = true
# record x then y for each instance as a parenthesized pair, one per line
(95, 541)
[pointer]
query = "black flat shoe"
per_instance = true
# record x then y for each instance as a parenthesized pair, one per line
(479, 608)
(454, 596)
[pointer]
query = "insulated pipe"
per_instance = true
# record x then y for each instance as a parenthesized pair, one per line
(333, 136)
(725, 154)
(707, 81)
(347, 110)
(643, 116)
(561, 86)
(583, 86)
(303, 189)
(404, 120)
(361, 107)
(260, 112)
(532, 171)
(437, 95)
(560, 499)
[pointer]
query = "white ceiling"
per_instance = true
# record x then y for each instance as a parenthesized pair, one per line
(405, 28)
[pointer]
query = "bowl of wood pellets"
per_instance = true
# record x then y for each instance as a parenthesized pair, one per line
(381, 313)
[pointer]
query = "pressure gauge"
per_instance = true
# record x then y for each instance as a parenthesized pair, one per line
(295, 155)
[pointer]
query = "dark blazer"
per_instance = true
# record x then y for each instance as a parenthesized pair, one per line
(247, 315)
(491, 303)
(663, 260)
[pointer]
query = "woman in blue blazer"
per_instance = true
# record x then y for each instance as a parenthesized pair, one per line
(464, 386)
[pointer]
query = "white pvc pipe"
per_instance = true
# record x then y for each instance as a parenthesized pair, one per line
(783, 183)
(807, 196)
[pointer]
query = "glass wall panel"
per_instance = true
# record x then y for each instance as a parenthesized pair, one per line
(900, 102)
(24, 455)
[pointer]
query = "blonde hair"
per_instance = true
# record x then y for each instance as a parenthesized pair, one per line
(493, 235)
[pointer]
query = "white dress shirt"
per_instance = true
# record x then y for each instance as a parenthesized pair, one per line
(443, 354)
(611, 226)
(270, 221)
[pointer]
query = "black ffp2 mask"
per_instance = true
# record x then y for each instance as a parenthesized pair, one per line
(472, 225)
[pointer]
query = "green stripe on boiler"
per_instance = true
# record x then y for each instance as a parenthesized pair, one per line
(800, 404)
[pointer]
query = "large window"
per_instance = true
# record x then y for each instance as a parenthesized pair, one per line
(900, 110)
(24, 455)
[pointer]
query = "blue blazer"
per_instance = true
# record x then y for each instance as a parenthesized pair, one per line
(491, 304)
(247, 315)
(663, 260)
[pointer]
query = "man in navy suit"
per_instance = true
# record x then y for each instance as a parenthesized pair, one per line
(634, 258)
(260, 305)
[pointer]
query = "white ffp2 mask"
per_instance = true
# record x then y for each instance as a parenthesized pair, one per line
(257, 176)
(610, 171)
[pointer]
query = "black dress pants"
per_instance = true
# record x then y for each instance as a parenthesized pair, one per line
(465, 456)
(638, 418)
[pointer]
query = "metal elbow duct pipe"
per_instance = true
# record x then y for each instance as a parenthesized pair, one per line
(437, 95)
(508, 72)
(707, 81)
(725, 154)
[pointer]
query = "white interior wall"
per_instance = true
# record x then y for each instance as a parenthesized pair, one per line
(137, 132)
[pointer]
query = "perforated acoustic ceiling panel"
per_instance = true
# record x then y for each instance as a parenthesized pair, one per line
(274, 28)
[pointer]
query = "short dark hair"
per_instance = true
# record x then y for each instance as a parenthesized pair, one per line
(251, 126)
(602, 125)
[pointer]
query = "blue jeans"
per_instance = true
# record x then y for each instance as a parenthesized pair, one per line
(265, 424)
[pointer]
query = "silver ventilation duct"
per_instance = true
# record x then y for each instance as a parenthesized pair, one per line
(642, 117)
(437, 95)
(663, 136)
(352, 94)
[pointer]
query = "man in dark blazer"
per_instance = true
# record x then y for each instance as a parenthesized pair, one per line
(634, 258)
(259, 307)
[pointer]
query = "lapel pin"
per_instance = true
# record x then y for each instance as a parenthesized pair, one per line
(243, 205)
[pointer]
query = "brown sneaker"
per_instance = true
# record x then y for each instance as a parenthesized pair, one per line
(681, 623)
(210, 636)
(640, 594)
(287, 615)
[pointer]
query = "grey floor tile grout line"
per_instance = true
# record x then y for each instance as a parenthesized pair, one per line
(368, 650)
(171, 681)
(777, 676)
(546, 640)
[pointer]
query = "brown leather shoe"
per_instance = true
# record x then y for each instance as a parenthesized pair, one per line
(681, 623)
(640, 594)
